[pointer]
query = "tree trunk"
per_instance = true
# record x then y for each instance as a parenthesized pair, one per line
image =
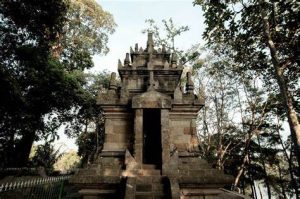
(241, 171)
(22, 150)
(295, 186)
(281, 182)
(286, 95)
(265, 170)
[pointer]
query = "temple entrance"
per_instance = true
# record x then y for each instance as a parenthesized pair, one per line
(152, 149)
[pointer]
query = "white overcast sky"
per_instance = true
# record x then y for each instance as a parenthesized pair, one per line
(130, 16)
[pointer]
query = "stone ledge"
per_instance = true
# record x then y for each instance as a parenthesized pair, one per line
(208, 181)
(109, 153)
(95, 179)
(94, 192)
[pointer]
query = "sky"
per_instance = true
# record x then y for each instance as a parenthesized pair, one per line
(130, 16)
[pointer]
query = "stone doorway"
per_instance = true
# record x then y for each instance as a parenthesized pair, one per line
(152, 147)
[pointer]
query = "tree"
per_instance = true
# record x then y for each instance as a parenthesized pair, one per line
(84, 34)
(167, 35)
(88, 123)
(236, 126)
(232, 119)
(39, 84)
(45, 156)
(67, 162)
(27, 31)
(170, 30)
(263, 36)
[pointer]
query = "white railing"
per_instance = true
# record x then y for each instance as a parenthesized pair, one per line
(19, 184)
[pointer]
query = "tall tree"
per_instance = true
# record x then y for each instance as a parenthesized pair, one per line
(84, 34)
(167, 34)
(264, 37)
(34, 80)
(91, 136)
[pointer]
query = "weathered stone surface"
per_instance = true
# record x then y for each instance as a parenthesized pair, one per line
(151, 99)
(150, 79)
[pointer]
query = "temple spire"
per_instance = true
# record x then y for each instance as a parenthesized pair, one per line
(173, 60)
(113, 82)
(126, 61)
(189, 83)
(150, 43)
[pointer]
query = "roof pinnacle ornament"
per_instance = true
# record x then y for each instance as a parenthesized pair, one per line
(173, 60)
(120, 64)
(189, 83)
(150, 43)
(126, 60)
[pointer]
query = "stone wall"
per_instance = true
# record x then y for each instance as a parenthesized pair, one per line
(118, 133)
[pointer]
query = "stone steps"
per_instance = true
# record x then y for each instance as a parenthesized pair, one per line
(147, 187)
(149, 172)
(149, 166)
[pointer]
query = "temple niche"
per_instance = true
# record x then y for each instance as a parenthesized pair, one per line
(151, 149)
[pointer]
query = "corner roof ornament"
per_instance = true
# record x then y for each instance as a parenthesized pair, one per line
(150, 43)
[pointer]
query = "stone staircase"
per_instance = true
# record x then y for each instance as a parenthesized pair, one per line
(147, 187)
(148, 184)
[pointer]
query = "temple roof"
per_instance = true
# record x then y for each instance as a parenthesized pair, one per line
(149, 58)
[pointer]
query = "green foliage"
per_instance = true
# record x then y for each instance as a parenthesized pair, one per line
(77, 120)
(237, 128)
(45, 156)
(170, 33)
(84, 34)
(88, 124)
(260, 41)
(67, 162)
(88, 146)
(167, 36)
(27, 72)
(262, 37)
(41, 68)
(239, 26)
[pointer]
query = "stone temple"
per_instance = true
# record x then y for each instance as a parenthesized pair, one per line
(151, 146)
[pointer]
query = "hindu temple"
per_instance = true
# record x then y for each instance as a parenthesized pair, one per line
(151, 147)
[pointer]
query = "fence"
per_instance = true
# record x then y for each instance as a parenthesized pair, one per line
(38, 188)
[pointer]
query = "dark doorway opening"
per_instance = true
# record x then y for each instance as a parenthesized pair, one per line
(152, 149)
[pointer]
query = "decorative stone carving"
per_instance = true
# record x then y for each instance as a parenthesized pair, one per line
(150, 98)
(113, 82)
(166, 65)
(150, 43)
(151, 84)
(173, 60)
(189, 84)
(126, 60)
(141, 50)
(178, 95)
(120, 64)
